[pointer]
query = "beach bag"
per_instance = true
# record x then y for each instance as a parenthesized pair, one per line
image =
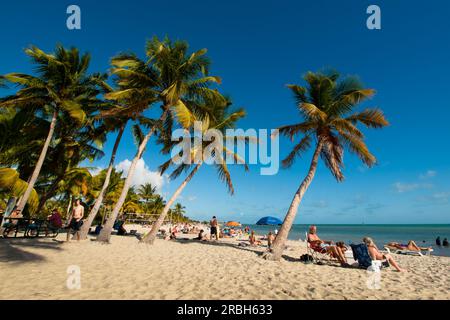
(306, 258)
(361, 254)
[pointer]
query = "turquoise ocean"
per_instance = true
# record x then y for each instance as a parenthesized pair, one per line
(424, 235)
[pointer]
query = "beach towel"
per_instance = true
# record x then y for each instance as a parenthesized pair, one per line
(361, 254)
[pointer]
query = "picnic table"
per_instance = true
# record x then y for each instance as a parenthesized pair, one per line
(28, 228)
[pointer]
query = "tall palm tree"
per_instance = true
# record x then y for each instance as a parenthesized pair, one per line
(219, 118)
(325, 106)
(170, 76)
(61, 87)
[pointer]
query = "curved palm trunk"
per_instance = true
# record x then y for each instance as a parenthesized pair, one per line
(98, 202)
(39, 164)
(105, 233)
(151, 236)
(68, 211)
(280, 241)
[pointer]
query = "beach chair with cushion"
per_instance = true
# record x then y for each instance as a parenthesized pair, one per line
(361, 255)
(396, 250)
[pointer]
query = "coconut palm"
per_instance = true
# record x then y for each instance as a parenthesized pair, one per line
(111, 124)
(178, 211)
(147, 193)
(158, 205)
(60, 89)
(170, 76)
(326, 106)
(219, 118)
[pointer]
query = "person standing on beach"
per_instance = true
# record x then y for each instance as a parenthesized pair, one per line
(214, 228)
(76, 220)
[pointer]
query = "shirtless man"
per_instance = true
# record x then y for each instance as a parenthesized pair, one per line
(76, 221)
(214, 228)
(326, 246)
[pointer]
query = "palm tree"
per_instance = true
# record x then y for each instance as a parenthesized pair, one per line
(219, 118)
(170, 76)
(60, 89)
(114, 123)
(325, 106)
(178, 212)
(147, 193)
(158, 205)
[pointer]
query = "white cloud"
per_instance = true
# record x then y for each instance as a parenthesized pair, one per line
(406, 187)
(442, 197)
(142, 174)
(192, 198)
(95, 171)
(429, 174)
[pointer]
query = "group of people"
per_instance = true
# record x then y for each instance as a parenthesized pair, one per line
(443, 243)
(337, 250)
(54, 221)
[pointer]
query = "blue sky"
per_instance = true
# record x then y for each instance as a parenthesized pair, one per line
(258, 47)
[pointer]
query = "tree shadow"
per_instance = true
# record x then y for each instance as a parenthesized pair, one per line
(256, 250)
(12, 250)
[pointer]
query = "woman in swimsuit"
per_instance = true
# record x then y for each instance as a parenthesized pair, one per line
(375, 254)
(411, 246)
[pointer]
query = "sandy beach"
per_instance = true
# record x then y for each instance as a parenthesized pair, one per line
(187, 269)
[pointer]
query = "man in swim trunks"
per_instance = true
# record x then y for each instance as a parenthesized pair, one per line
(322, 246)
(76, 221)
(213, 225)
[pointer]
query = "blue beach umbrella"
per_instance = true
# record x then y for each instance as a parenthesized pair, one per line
(269, 221)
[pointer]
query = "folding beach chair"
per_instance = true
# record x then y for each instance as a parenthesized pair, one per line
(317, 253)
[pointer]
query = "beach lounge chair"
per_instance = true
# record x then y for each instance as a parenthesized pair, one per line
(396, 250)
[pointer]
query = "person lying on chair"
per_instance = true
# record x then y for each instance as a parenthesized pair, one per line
(411, 246)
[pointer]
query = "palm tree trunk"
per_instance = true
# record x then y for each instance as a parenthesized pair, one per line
(151, 236)
(98, 202)
(105, 233)
(280, 241)
(68, 213)
(39, 164)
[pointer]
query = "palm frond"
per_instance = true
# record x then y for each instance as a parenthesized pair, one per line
(298, 149)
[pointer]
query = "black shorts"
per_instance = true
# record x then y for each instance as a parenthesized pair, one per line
(75, 225)
(213, 230)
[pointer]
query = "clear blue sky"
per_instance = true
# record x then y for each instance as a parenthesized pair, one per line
(257, 47)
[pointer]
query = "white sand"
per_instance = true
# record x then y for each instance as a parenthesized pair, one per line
(125, 269)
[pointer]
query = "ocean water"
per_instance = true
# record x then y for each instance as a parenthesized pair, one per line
(423, 235)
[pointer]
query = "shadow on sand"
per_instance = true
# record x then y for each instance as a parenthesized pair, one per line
(14, 250)
(255, 250)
